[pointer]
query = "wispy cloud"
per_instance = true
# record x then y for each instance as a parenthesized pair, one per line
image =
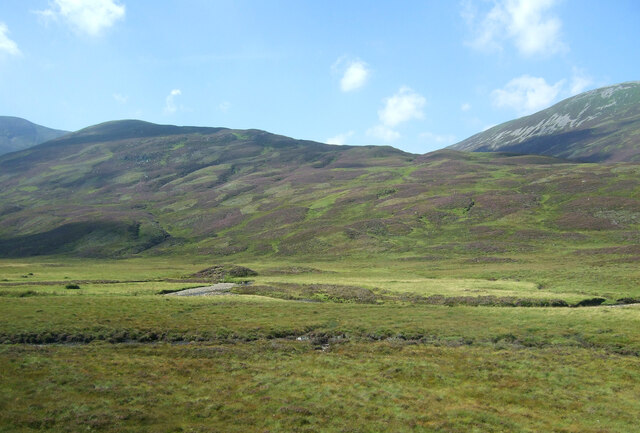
(224, 106)
(530, 25)
(122, 99)
(403, 106)
(6, 44)
(89, 17)
(526, 94)
(580, 81)
(438, 139)
(355, 73)
(170, 106)
(340, 139)
(465, 106)
(383, 132)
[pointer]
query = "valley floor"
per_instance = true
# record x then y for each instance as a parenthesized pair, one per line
(369, 348)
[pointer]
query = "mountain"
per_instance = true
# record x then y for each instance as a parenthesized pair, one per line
(131, 187)
(18, 134)
(601, 125)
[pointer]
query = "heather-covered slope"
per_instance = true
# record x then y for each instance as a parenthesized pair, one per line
(127, 187)
(18, 134)
(601, 125)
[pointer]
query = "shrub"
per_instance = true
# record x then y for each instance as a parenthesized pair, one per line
(628, 301)
(591, 302)
(72, 286)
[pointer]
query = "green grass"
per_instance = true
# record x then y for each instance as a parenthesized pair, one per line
(286, 386)
(117, 356)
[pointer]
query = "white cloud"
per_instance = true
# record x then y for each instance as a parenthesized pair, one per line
(354, 72)
(354, 77)
(383, 132)
(526, 94)
(340, 139)
(405, 105)
(123, 99)
(438, 139)
(529, 24)
(86, 16)
(465, 106)
(170, 103)
(224, 106)
(579, 81)
(6, 44)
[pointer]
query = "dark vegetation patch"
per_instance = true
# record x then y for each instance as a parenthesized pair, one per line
(489, 259)
(615, 212)
(451, 202)
(352, 294)
(408, 189)
(294, 270)
(374, 227)
(278, 218)
(385, 192)
(72, 286)
(626, 301)
(20, 294)
(488, 247)
(218, 273)
(473, 301)
(487, 232)
(227, 250)
(582, 221)
(8, 209)
(626, 249)
(303, 243)
(88, 239)
(310, 292)
(496, 205)
(532, 235)
(167, 291)
(212, 223)
(439, 218)
(591, 302)
(622, 185)
(628, 259)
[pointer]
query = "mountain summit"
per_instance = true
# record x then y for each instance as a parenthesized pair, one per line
(601, 125)
(18, 134)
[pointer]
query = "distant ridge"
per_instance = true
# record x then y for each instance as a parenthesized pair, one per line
(128, 187)
(17, 134)
(601, 125)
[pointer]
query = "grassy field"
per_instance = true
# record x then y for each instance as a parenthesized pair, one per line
(321, 346)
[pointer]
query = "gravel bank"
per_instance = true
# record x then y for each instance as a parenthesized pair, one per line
(216, 289)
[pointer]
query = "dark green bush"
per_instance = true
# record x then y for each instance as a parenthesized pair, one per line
(591, 302)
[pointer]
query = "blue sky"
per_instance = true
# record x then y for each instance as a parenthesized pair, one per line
(417, 75)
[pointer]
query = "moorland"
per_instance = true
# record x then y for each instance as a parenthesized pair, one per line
(375, 290)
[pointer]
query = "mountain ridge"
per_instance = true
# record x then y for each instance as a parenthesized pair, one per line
(601, 125)
(17, 134)
(114, 191)
(130, 187)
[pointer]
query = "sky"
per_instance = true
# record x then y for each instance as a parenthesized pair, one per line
(417, 75)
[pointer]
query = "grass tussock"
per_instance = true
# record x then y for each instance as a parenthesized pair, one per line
(288, 386)
(418, 343)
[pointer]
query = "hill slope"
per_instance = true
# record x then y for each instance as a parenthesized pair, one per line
(601, 125)
(18, 134)
(126, 187)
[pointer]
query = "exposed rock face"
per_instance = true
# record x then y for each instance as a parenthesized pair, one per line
(601, 125)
